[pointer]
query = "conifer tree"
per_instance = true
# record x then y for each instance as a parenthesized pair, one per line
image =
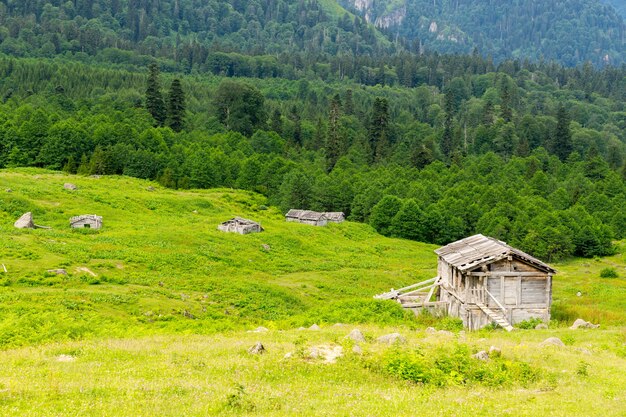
(176, 106)
(379, 129)
(348, 106)
(276, 122)
(154, 99)
(562, 143)
(333, 140)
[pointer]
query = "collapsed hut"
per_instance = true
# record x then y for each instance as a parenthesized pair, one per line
(86, 221)
(483, 280)
(307, 217)
(241, 226)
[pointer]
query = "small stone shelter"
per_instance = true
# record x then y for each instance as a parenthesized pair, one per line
(241, 226)
(483, 280)
(86, 221)
(307, 217)
(335, 216)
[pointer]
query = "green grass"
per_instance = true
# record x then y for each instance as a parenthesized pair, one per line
(161, 327)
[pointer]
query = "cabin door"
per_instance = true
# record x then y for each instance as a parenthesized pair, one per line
(511, 291)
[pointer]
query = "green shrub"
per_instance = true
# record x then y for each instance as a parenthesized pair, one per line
(529, 324)
(608, 273)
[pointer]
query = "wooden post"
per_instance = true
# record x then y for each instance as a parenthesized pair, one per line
(5, 268)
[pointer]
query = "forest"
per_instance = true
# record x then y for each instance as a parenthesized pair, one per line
(315, 108)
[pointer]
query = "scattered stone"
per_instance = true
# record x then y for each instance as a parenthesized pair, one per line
(579, 294)
(96, 176)
(315, 327)
(259, 329)
(552, 341)
(65, 358)
(356, 335)
(86, 270)
(301, 328)
(391, 338)
(326, 352)
(25, 222)
(8, 190)
(195, 212)
(582, 324)
(288, 355)
(151, 188)
(266, 248)
(338, 325)
(495, 352)
(257, 349)
(356, 349)
(481, 356)
(584, 351)
(431, 330)
(188, 314)
(541, 326)
(70, 186)
(445, 332)
(57, 271)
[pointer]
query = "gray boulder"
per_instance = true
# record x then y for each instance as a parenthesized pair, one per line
(259, 329)
(70, 186)
(57, 271)
(582, 324)
(315, 327)
(391, 338)
(257, 349)
(552, 341)
(356, 335)
(541, 326)
(431, 330)
(495, 352)
(25, 222)
(481, 356)
(356, 349)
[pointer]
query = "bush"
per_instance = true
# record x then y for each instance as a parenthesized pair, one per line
(529, 324)
(608, 273)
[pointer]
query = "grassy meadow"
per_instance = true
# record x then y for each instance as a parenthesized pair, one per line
(153, 315)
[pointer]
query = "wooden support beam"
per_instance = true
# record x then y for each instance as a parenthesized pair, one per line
(507, 274)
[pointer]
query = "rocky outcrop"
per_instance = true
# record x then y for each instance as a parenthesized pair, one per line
(25, 222)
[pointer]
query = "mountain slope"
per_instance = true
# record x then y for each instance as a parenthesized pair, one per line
(619, 5)
(570, 31)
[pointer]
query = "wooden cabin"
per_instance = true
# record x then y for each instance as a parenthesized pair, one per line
(86, 221)
(483, 280)
(335, 216)
(241, 226)
(307, 217)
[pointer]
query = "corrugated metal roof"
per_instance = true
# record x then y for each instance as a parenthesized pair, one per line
(478, 250)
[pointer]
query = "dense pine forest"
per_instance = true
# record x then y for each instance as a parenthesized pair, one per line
(315, 108)
(567, 31)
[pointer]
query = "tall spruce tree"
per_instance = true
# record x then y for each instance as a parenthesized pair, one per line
(379, 129)
(447, 140)
(333, 140)
(154, 99)
(562, 143)
(176, 106)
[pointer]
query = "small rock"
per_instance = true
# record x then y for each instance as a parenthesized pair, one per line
(259, 329)
(195, 212)
(391, 338)
(266, 248)
(495, 352)
(481, 356)
(356, 335)
(552, 341)
(582, 324)
(96, 176)
(356, 349)
(315, 327)
(25, 222)
(301, 328)
(431, 330)
(584, 351)
(579, 294)
(257, 349)
(338, 325)
(188, 314)
(541, 326)
(288, 355)
(70, 186)
(445, 333)
(150, 188)
(65, 358)
(57, 271)
(326, 352)
(8, 190)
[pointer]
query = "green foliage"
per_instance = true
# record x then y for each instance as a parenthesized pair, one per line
(384, 213)
(528, 324)
(609, 273)
(240, 107)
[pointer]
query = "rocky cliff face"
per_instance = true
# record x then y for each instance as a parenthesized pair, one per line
(394, 18)
(384, 19)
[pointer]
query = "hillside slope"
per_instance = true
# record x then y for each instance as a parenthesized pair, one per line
(160, 265)
(569, 31)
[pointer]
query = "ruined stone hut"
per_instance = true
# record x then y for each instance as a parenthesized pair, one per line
(483, 280)
(86, 221)
(307, 217)
(241, 226)
(335, 216)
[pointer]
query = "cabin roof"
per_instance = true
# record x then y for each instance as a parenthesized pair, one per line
(479, 250)
(305, 215)
(83, 217)
(334, 215)
(241, 221)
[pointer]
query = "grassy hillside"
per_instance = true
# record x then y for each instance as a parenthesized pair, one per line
(142, 294)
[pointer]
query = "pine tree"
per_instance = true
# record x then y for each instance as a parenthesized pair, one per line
(333, 139)
(379, 129)
(562, 143)
(70, 166)
(176, 106)
(276, 122)
(297, 126)
(447, 140)
(154, 99)
(348, 106)
(319, 138)
(83, 168)
(505, 102)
